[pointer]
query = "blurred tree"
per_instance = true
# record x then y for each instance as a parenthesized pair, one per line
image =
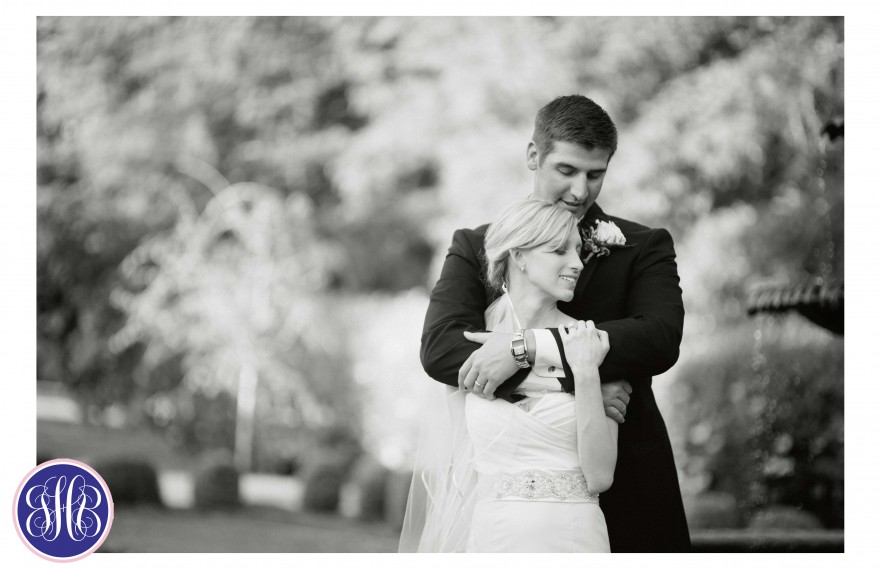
(81, 241)
(233, 292)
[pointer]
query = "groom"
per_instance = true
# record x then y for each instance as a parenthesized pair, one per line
(629, 288)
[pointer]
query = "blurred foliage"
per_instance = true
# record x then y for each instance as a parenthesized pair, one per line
(763, 419)
(327, 463)
(366, 487)
(216, 481)
(131, 480)
(323, 484)
(712, 510)
(784, 517)
(230, 208)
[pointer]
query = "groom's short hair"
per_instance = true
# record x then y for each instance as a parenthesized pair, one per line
(577, 120)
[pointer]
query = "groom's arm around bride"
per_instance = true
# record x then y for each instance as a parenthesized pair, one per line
(644, 305)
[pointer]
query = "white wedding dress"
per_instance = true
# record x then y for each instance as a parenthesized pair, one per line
(531, 494)
(510, 479)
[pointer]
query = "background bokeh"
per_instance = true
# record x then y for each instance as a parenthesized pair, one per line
(239, 221)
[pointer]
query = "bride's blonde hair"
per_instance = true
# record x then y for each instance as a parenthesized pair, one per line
(523, 225)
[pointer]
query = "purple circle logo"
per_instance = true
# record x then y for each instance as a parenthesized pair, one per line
(63, 510)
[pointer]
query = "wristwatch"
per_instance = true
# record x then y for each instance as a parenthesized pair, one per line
(519, 349)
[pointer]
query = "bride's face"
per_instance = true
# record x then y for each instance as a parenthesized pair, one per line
(554, 270)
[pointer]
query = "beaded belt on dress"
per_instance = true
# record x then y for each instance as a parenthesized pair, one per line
(537, 485)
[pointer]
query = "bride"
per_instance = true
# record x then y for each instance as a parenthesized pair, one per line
(491, 476)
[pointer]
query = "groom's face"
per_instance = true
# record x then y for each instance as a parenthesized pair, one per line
(569, 175)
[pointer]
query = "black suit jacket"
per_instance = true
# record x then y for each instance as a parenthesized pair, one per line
(634, 295)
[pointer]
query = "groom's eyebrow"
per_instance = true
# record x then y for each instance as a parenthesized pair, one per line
(573, 167)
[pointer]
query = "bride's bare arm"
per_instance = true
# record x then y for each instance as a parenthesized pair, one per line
(585, 349)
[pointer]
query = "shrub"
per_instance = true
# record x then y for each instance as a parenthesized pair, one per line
(323, 482)
(216, 482)
(131, 480)
(712, 510)
(366, 484)
(784, 517)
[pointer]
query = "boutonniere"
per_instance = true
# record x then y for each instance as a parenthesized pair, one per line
(599, 240)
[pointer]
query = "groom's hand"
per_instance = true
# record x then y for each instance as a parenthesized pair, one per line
(488, 367)
(615, 397)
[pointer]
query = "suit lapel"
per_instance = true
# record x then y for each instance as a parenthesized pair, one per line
(593, 214)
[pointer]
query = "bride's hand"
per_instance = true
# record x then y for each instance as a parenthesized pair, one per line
(585, 346)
